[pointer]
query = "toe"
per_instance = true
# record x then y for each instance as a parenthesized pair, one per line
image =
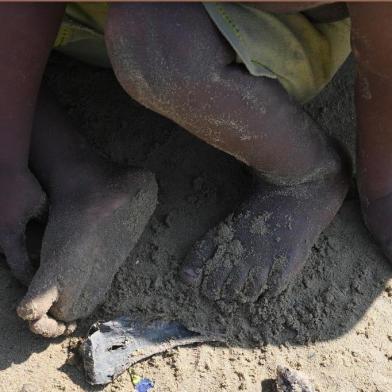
(282, 272)
(37, 301)
(256, 283)
(48, 327)
(215, 279)
(233, 289)
(192, 270)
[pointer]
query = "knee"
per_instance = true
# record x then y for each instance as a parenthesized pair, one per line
(128, 55)
(155, 54)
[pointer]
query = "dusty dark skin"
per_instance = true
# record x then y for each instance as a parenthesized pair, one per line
(300, 176)
(91, 200)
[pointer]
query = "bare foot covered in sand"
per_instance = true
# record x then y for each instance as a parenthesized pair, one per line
(21, 198)
(88, 236)
(261, 247)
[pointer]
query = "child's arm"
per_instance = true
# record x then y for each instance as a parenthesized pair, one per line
(27, 32)
(372, 46)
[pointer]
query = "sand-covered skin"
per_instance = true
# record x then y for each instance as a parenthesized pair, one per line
(79, 261)
(333, 324)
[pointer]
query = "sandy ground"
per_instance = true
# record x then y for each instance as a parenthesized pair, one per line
(333, 324)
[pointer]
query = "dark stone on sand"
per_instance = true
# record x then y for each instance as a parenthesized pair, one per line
(114, 346)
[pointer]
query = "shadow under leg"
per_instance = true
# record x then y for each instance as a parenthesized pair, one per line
(179, 65)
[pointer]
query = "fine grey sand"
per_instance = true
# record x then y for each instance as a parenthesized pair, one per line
(333, 324)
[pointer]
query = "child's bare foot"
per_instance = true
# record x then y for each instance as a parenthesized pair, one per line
(262, 246)
(21, 198)
(90, 233)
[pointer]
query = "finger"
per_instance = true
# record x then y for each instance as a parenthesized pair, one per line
(48, 327)
(192, 270)
(18, 260)
(38, 300)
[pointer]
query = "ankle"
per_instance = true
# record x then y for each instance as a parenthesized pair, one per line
(335, 165)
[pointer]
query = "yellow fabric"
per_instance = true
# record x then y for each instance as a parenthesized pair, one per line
(81, 33)
(302, 55)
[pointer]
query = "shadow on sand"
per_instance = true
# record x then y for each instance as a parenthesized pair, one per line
(198, 187)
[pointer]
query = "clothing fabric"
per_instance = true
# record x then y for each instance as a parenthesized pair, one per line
(303, 56)
(81, 34)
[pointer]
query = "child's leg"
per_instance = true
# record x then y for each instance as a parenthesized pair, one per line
(27, 32)
(172, 59)
(97, 213)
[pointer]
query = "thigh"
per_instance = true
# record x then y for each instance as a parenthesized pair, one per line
(170, 37)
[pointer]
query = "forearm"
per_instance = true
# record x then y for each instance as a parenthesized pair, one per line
(27, 32)
(371, 38)
(373, 98)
